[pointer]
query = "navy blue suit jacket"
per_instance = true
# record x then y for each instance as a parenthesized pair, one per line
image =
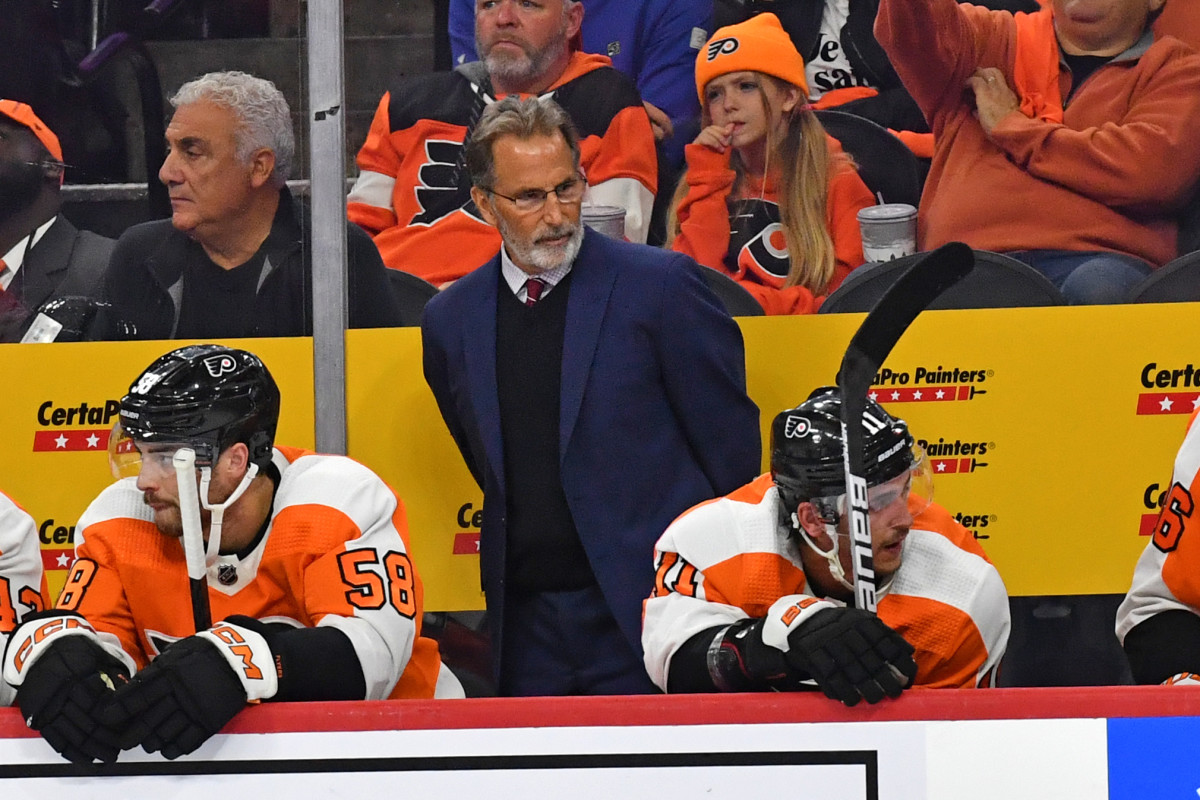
(654, 414)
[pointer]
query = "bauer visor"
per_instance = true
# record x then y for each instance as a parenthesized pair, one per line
(916, 485)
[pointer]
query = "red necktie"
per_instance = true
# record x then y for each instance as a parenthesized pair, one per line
(533, 290)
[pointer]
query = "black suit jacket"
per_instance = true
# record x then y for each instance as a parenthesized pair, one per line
(65, 261)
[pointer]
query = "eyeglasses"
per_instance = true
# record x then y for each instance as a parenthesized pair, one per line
(530, 200)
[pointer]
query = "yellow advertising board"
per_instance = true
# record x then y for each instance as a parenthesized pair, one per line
(1051, 431)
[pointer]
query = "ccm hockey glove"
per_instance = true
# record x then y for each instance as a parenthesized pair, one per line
(850, 654)
(65, 680)
(192, 689)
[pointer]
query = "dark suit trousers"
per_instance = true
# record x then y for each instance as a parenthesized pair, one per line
(567, 643)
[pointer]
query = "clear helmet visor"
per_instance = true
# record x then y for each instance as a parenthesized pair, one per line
(127, 460)
(916, 485)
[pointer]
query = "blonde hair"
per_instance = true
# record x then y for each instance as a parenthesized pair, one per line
(808, 170)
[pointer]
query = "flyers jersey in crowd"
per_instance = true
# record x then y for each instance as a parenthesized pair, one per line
(413, 193)
(22, 584)
(731, 558)
(334, 552)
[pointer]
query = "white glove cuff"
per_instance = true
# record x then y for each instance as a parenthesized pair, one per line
(33, 638)
(786, 615)
(249, 656)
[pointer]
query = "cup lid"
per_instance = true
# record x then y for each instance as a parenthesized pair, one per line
(888, 212)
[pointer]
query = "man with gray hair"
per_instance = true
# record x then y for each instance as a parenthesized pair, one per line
(413, 193)
(235, 258)
(596, 389)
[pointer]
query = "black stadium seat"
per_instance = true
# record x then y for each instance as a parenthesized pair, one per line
(1174, 282)
(411, 293)
(738, 302)
(997, 281)
(885, 164)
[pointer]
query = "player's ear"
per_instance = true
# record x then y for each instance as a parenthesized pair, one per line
(236, 459)
(810, 520)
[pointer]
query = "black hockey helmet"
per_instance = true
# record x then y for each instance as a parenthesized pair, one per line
(806, 448)
(207, 396)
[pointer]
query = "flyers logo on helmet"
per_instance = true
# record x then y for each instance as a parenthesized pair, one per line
(722, 47)
(796, 427)
(220, 365)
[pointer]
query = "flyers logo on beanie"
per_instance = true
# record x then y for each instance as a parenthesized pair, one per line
(722, 47)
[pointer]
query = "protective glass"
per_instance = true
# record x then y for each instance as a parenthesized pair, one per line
(915, 485)
(531, 200)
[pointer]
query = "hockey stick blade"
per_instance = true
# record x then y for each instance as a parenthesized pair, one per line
(184, 462)
(919, 286)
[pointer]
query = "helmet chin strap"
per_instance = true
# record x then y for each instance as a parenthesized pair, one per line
(830, 555)
(218, 509)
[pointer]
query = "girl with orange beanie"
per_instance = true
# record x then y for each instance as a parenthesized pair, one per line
(767, 197)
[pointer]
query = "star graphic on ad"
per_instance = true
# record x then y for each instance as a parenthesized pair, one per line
(940, 394)
(1166, 404)
(64, 560)
(93, 440)
(60, 442)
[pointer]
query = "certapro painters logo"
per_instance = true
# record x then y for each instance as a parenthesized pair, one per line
(956, 456)
(466, 539)
(70, 428)
(1182, 385)
(978, 524)
(929, 384)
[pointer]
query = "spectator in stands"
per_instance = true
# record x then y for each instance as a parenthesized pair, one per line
(42, 255)
(1179, 18)
(753, 591)
(309, 576)
(595, 389)
(22, 582)
(1065, 138)
(235, 257)
(768, 197)
(413, 193)
(844, 64)
(1158, 623)
(654, 42)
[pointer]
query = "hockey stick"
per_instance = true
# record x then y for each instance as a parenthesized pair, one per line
(911, 294)
(184, 462)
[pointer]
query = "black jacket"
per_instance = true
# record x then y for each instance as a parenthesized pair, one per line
(65, 261)
(144, 282)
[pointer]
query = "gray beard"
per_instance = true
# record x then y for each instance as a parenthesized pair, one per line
(542, 257)
(517, 73)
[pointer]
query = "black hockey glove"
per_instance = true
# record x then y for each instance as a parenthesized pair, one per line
(849, 654)
(65, 681)
(193, 689)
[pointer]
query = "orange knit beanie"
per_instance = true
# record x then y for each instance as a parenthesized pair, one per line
(760, 44)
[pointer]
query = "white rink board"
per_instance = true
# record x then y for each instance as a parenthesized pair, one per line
(976, 760)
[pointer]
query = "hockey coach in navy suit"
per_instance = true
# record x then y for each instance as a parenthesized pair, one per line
(596, 389)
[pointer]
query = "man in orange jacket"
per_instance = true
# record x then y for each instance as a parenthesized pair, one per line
(1065, 138)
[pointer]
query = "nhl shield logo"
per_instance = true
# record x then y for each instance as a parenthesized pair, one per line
(227, 574)
(220, 365)
(795, 427)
